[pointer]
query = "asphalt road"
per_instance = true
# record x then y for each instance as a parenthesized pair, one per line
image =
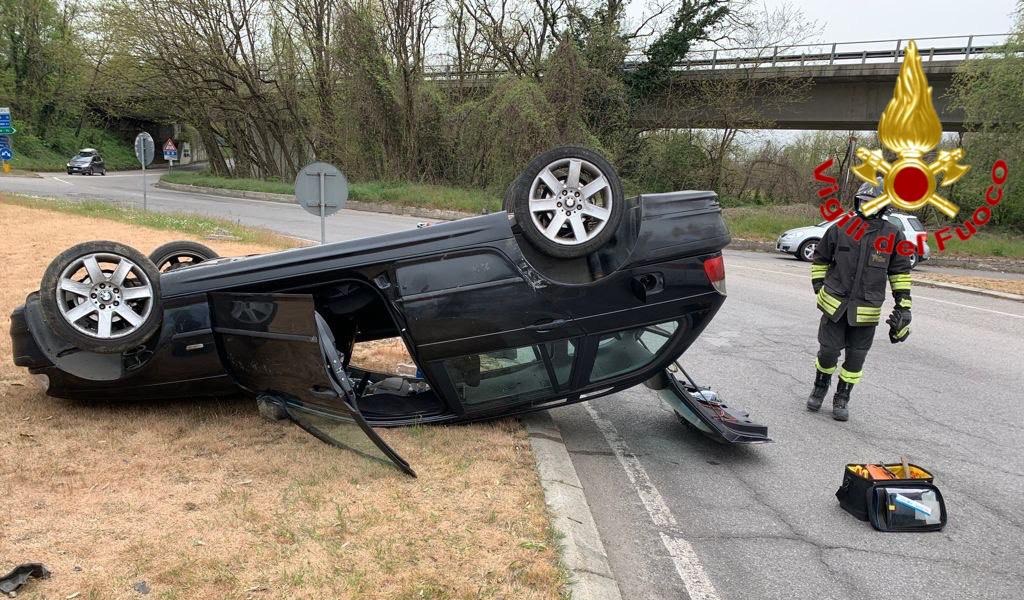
(682, 517)
(762, 521)
(125, 188)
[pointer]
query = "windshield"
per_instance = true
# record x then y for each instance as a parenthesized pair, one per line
(85, 154)
(915, 223)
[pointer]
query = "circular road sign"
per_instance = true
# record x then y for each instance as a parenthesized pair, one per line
(307, 188)
(144, 148)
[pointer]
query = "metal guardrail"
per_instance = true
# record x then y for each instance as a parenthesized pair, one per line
(864, 52)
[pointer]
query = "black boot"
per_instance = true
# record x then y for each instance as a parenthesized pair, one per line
(821, 383)
(840, 412)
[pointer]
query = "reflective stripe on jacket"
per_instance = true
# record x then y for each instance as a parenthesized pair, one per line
(855, 272)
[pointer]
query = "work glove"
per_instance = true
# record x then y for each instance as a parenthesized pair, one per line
(899, 325)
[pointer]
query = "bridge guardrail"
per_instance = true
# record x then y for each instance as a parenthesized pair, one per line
(864, 52)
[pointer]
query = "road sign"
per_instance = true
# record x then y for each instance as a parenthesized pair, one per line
(6, 127)
(5, 141)
(6, 154)
(144, 148)
(321, 189)
(170, 150)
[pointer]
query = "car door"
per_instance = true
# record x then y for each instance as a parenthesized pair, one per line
(97, 162)
(276, 345)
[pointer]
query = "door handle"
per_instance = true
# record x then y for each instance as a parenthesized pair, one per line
(547, 325)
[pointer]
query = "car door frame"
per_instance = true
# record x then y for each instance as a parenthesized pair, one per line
(309, 386)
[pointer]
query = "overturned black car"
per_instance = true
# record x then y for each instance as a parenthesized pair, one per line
(574, 292)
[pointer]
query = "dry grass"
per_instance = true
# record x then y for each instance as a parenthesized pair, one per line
(204, 499)
(387, 356)
(1010, 286)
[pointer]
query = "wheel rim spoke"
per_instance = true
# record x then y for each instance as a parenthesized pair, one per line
(103, 328)
(598, 212)
(122, 270)
(573, 180)
(70, 285)
(550, 180)
(136, 293)
(594, 187)
(80, 311)
(93, 268)
(125, 312)
(543, 205)
(578, 229)
(555, 225)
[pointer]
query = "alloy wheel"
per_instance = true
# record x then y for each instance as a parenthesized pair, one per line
(104, 296)
(570, 201)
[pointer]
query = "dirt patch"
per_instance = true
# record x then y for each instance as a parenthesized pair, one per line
(204, 499)
(1009, 286)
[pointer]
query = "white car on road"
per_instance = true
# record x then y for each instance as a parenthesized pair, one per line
(802, 241)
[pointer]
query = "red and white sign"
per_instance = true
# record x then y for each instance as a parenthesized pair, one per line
(170, 150)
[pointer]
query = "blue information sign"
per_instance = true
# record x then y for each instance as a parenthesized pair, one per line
(6, 154)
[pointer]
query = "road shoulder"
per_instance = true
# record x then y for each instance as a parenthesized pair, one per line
(582, 550)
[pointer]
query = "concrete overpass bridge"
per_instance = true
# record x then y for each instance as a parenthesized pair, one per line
(851, 83)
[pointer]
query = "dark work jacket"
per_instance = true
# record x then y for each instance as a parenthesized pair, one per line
(855, 272)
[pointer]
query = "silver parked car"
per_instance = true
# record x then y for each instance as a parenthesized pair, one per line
(802, 241)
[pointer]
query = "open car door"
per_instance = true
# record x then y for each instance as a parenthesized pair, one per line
(277, 345)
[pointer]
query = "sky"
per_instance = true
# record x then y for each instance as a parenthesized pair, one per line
(851, 21)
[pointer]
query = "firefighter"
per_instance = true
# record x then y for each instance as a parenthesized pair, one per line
(848, 276)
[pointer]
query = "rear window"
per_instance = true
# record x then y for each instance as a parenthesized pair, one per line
(915, 224)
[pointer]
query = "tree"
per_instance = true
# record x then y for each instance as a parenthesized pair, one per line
(989, 90)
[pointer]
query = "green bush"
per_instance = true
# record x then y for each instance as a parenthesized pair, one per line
(32, 153)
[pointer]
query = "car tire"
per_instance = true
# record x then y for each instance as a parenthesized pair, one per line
(506, 202)
(103, 172)
(88, 301)
(805, 251)
(177, 255)
(590, 216)
(913, 261)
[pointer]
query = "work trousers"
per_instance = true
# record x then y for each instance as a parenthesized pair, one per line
(854, 342)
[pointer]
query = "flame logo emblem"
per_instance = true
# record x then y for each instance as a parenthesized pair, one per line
(910, 128)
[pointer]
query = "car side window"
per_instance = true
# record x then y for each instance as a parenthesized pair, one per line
(520, 374)
(628, 350)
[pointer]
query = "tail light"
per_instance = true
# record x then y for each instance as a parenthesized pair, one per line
(715, 270)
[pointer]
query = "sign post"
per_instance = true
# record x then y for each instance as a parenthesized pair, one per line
(321, 189)
(170, 152)
(144, 150)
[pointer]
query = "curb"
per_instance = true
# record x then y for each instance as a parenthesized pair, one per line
(968, 289)
(377, 207)
(582, 550)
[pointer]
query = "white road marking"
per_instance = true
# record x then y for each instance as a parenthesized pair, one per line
(686, 561)
(62, 181)
(929, 298)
